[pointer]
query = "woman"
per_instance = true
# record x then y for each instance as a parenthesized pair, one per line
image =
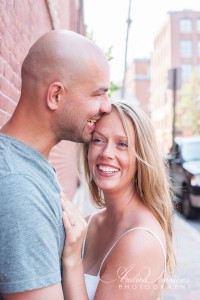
(127, 250)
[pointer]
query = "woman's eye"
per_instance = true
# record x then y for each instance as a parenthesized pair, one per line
(123, 145)
(97, 141)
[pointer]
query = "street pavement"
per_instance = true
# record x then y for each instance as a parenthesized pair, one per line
(185, 282)
(195, 224)
(184, 285)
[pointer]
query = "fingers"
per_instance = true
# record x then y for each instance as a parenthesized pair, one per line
(72, 213)
(66, 222)
(75, 227)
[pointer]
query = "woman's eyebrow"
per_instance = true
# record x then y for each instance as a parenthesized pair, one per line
(121, 137)
(118, 136)
(95, 131)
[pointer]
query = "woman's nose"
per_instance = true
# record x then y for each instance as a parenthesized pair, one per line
(108, 151)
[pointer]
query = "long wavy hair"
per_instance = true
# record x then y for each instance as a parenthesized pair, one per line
(152, 179)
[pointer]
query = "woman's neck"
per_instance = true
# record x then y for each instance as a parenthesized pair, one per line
(120, 205)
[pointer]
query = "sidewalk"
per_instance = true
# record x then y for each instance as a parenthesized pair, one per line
(185, 283)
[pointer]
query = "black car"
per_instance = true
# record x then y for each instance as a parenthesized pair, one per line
(186, 173)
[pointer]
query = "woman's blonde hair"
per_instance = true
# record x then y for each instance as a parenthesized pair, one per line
(152, 178)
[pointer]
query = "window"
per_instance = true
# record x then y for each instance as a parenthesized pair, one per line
(198, 25)
(185, 25)
(198, 48)
(186, 72)
(186, 48)
(191, 151)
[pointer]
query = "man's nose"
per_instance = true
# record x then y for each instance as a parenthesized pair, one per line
(106, 105)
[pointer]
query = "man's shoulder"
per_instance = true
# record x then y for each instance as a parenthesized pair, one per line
(11, 181)
(10, 152)
(19, 159)
(20, 189)
(4, 163)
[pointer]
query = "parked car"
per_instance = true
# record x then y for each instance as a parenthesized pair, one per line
(186, 174)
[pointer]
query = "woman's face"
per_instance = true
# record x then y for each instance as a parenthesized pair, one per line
(112, 166)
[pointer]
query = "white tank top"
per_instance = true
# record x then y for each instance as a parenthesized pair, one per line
(92, 281)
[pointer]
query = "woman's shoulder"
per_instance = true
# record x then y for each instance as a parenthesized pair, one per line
(137, 260)
(143, 241)
(149, 223)
(140, 252)
(142, 238)
(95, 216)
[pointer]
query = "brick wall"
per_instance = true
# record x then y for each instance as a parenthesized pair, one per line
(22, 22)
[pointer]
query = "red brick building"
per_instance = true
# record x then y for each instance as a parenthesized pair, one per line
(177, 45)
(21, 24)
(138, 82)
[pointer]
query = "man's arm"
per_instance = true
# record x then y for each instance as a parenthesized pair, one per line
(30, 242)
(53, 292)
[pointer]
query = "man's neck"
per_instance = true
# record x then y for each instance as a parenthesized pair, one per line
(39, 140)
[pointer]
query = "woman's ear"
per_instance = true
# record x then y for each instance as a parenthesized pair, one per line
(54, 95)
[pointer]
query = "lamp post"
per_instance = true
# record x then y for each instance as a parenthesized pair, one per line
(126, 49)
(174, 84)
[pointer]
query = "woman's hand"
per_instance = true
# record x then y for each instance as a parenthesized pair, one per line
(73, 282)
(75, 228)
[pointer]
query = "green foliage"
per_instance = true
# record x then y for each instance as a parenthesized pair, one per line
(90, 36)
(113, 88)
(188, 107)
(108, 53)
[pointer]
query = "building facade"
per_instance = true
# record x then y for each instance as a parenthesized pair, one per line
(21, 24)
(138, 82)
(177, 46)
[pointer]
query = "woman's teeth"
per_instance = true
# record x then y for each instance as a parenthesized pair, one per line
(108, 169)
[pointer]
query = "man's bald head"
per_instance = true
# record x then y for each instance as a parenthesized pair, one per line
(60, 55)
(65, 79)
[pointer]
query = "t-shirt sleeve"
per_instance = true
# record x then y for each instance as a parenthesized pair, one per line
(29, 236)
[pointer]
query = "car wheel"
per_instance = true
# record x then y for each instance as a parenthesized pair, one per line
(188, 211)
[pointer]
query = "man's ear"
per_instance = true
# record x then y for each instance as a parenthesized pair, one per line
(54, 95)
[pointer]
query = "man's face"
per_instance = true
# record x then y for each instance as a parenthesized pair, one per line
(86, 101)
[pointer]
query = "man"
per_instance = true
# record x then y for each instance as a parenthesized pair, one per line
(65, 79)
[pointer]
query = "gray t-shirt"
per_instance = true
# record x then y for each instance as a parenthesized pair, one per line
(31, 228)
